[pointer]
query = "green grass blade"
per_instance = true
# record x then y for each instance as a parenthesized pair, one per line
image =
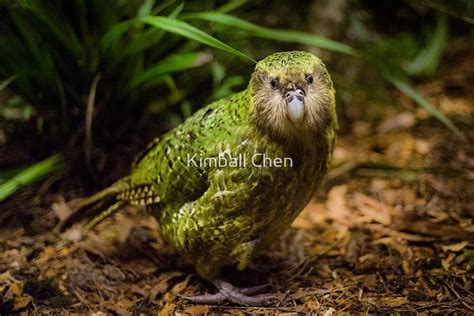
(162, 6)
(30, 175)
(426, 62)
(459, 9)
(7, 82)
(188, 31)
(277, 35)
(231, 6)
(173, 63)
(5, 175)
(409, 91)
(56, 23)
(112, 37)
(146, 8)
(40, 57)
(148, 38)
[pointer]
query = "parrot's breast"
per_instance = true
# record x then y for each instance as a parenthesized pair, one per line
(226, 188)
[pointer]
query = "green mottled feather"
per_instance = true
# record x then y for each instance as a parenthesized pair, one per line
(221, 216)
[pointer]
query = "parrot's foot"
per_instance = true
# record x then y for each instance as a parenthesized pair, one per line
(248, 296)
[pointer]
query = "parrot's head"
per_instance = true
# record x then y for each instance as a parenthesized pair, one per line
(292, 95)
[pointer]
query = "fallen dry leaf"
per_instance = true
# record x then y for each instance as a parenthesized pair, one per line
(168, 309)
(61, 210)
(401, 121)
(197, 309)
(178, 288)
(162, 285)
(16, 288)
(5, 276)
(372, 209)
(394, 301)
(337, 207)
(22, 302)
(455, 247)
(446, 262)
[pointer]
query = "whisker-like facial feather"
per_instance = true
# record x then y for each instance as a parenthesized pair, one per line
(271, 111)
(269, 83)
(318, 102)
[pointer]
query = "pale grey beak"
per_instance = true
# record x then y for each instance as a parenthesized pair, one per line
(295, 102)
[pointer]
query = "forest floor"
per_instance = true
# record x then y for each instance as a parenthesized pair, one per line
(391, 231)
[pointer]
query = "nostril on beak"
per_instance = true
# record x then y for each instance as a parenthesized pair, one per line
(298, 94)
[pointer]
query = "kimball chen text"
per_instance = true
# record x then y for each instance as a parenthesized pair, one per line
(259, 160)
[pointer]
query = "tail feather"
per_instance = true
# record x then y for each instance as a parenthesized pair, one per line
(103, 215)
(103, 204)
(91, 207)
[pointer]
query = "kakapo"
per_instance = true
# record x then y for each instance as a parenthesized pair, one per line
(221, 216)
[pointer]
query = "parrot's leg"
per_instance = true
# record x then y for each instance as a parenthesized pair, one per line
(243, 296)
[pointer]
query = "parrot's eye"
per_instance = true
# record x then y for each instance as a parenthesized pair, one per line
(274, 83)
(309, 79)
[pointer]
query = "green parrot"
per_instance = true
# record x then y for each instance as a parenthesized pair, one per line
(230, 179)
